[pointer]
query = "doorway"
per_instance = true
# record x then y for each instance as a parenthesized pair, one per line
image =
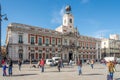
(70, 55)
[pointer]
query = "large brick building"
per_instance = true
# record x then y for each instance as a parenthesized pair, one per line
(31, 42)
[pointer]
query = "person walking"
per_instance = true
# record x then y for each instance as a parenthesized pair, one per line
(19, 64)
(111, 70)
(42, 62)
(92, 63)
(10, 65)
(3, 62)
(59, 65)
(70, 63)
(79, 64)
(4, 70)
(62, 65)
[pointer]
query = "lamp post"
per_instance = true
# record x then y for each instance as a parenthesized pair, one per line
(5, 18)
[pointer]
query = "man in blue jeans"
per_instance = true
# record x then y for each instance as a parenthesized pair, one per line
(79, 64)
(10, 63)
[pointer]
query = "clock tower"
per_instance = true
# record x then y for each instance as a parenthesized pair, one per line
(68, 20)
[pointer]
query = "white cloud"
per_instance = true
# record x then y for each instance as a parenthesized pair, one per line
(57, 16)
(85, 1)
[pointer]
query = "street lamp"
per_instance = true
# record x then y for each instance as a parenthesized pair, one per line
(4, 16)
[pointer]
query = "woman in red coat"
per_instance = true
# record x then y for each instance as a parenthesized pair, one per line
(42, 62)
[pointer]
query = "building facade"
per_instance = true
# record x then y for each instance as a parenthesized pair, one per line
(31, 42)
(111, 46)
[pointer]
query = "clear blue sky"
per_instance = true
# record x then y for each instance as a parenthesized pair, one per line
(92, 17)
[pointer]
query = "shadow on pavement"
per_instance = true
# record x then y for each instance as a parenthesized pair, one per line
(99, 68)
(60, 71)
(91, 74)
(117, 79)
(23, 75)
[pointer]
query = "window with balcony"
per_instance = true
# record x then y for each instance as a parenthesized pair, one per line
(20, 39)
(32, 40)
(40, 41)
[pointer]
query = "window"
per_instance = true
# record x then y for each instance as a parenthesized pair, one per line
(47, 56)
(65, 41)
(32, 40)
(20, 39)
(40, 56)
(59, 40)
(47, 42)
(70, 20)
(40, 41)
(53, 41)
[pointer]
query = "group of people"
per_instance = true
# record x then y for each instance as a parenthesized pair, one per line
(4, 66)
(8, 63)
(41, 63)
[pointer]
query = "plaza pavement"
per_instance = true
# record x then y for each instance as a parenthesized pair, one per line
(51, 73)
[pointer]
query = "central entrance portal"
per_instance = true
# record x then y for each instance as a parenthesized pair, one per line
(70, 55)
